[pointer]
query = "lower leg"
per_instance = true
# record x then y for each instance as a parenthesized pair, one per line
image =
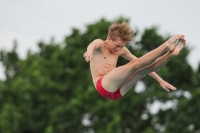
(159, 63)
(135, 77)
(149, 57)
(169, 45)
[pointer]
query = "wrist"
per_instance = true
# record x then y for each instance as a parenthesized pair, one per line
(160, 80)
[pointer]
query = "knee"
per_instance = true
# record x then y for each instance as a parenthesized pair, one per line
(137, 64)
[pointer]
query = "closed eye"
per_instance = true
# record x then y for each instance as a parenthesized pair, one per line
(119, 46)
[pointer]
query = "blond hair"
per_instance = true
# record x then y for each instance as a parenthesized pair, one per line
(123, 31)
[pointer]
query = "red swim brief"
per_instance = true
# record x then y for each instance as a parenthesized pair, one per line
(110, 95)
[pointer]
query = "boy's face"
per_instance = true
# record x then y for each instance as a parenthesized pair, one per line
(116, 45)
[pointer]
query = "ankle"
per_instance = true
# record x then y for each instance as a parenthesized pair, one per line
(169, 46)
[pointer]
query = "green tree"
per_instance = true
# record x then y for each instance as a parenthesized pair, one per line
(51, 91)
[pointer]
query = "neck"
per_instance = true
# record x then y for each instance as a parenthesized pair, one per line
(106, 44)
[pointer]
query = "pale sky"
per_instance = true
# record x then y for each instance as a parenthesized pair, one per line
(29, 21)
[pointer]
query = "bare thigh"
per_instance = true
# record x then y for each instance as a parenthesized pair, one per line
(136, 76)
(114, 79)
(133, 79)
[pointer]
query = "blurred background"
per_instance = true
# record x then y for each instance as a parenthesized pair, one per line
(46, 86)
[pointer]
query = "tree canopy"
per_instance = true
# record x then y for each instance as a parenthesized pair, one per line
(51, 91)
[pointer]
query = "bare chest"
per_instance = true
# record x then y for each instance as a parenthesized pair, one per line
(103, 62)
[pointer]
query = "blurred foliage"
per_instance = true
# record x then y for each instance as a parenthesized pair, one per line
(51, 91)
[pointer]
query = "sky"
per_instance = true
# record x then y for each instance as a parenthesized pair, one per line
(30, 21)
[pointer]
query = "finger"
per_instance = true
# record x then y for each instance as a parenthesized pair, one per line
(166, 89)
(85, 54)
(88, 57)
(172, 87)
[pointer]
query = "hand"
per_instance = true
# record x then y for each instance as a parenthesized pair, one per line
(167, 86)
(87, 55)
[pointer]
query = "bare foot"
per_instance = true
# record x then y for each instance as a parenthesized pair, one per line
(179, 44)
(171, 43)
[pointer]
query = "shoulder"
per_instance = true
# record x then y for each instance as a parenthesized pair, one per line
(127, 54)
(98, 43)
(124, 50)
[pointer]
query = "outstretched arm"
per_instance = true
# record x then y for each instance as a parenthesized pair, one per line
(163, 83)
(91, 47)
(129, 56)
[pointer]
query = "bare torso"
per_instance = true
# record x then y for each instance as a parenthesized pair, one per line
(103, 61)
